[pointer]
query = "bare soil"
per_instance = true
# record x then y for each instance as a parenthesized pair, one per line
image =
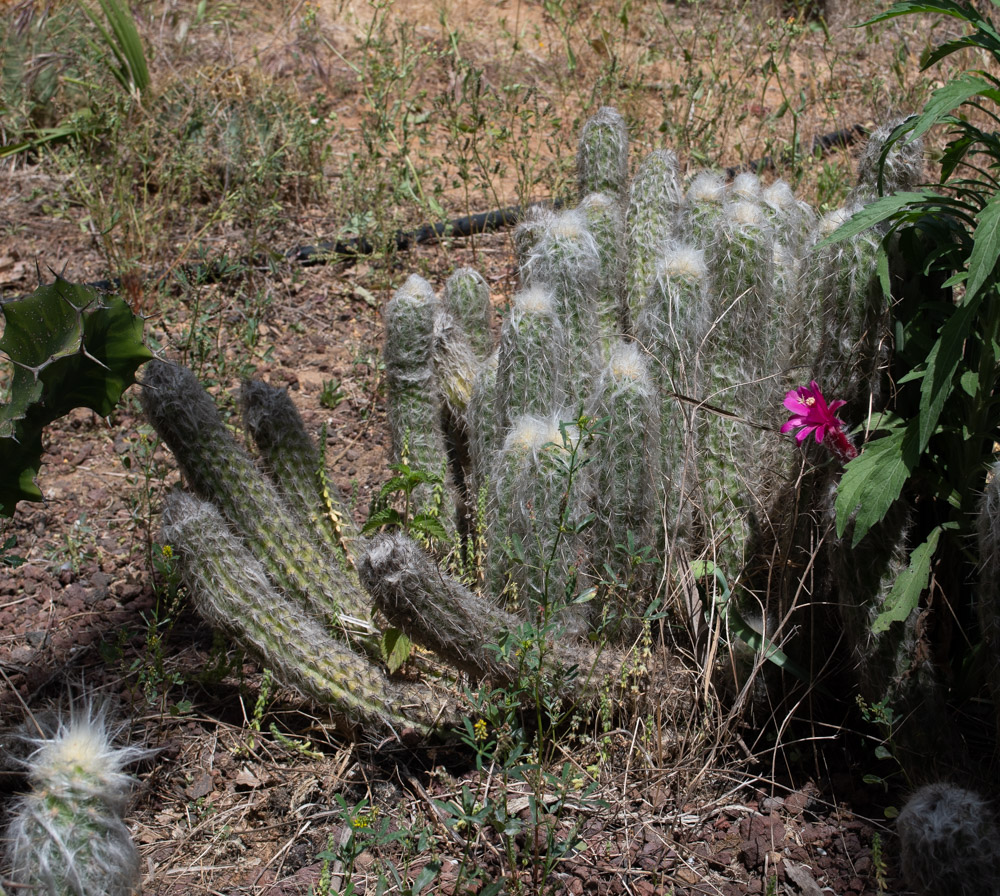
(220, 809)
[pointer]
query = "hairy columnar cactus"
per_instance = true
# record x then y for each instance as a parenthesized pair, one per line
(233, 592)
(606, 221)
(901, 170)
(624, 458)
(566, 261)
(413, 399)
(66, 835)
(651, 222)
(220, 471)
(602, 154)
(533, 361)
(529, 231)
(541, 502)
(705, 197)
(949, 842)
(296, 466)
(482, 419)
(671, 325)
(467, 299)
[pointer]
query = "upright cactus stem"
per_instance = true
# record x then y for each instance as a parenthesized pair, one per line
(902, 168)
(533, 361)
(414, 400)
(602, 154)
(624, 460)
(467, 299)
(483, 423)
(67, 836)
(705, 197)
(606, 221)
(652, 218)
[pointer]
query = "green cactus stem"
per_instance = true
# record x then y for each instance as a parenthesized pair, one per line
(295, 465)
(606, 222)
(602, 154)
(651, 221)
(902, 169)
(464, 628)
(482, 418)
(567, 262)
(66, 835)
(705, 197)
(537, 219)
(232, 591)
(624, 458)
(533, 360)
(467, 299)
(413, 397)
(220, 471)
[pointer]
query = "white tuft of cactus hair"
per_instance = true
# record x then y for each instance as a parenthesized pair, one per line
(745, 188)
(66, 835)
(949, 842)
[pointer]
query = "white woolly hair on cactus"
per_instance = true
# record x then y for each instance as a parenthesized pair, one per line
(949, 842)
(602, 154)
(529, 231)
(902, 169)
(745, 213)
(706, 187)
(745, 188)
(66, 834)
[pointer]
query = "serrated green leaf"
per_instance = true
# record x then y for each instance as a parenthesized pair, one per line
(946, 99)
(875, 213)
(985, 248)
(909, 584)
(396, 648)
(873, 480)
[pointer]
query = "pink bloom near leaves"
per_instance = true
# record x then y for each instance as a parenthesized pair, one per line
(812, 415)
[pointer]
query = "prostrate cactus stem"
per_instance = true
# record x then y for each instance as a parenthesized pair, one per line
(413, 398)
(465, 628)
(219, 470)
(651, 220)
(949, 842)
(602, 154)
(566, 261)
(66, 834)
(467, 299)
(295, 466)
(624, 460)
(233, 592)
(533, 361)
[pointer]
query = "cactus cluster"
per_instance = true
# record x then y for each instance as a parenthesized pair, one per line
(66, 835)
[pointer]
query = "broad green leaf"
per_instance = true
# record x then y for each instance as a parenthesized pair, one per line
(875, 213)
(946, 99)
(909, 584)
(396, 648)
(874, 479)
(942, 362)
(985, 248)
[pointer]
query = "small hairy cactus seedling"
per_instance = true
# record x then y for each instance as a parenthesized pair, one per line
(220, 471)
(705, 197)
(949, 842)
(567, 262)
(538, 508)
(232, 591)
(66, 834)
(467, 299)
(651, 222)
(606, 222)
(296, 466)
(533, 360)
(624, 460)
(670, 328)
(602, 154)
(413, 397)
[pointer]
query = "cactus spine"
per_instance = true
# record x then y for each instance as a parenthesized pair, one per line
(220, 471)
(66, 835)
(233, 592)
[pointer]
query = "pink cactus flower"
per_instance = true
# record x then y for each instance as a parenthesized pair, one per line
(812, 415)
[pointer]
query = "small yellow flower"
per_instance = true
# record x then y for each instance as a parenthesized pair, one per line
(168, 551)
(480, 730)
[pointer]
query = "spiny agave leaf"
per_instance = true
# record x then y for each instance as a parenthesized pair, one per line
(71, 347)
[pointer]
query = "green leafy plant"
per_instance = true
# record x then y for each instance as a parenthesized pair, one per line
(70, 347)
